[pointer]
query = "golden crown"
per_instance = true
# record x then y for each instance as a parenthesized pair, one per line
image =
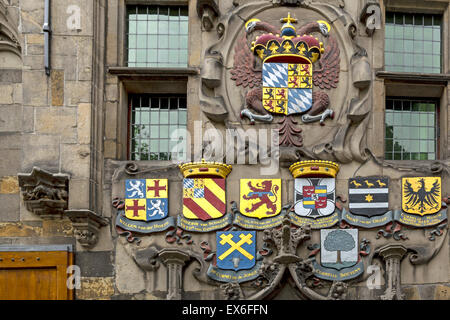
(287, 46)
(204, 168)
(314, 168)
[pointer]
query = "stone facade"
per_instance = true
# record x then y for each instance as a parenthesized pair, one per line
(73, 123)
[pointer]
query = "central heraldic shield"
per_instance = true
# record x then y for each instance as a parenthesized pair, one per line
(203, 198)
(260, 198)
(287, 87)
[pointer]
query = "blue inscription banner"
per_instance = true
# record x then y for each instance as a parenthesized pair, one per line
(234, 276)
(338, 275)
(142, 226)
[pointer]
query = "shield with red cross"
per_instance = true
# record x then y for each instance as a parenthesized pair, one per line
(146, 199)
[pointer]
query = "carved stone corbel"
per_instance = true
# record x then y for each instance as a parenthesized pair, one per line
(87, 225)
(147, 259)
(8, 32)
(208, 12)
(392, 255)
(44, 193)
(174, 260)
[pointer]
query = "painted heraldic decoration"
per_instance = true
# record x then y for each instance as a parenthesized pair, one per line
(285, 85)
(204, 198)
(146, 199)
(368, 202)
(146, 206)
(368, 196)
(314, 193)
(259, 204)
(421, 196)
(421, 202)
(339, 255)
(236, 257)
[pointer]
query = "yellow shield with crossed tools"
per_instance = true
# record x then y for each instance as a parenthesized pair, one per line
(260, 198)
(421, 195)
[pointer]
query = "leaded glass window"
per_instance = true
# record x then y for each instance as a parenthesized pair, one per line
(411, 129)
(413, 42)
(154, 118)
(157, 36)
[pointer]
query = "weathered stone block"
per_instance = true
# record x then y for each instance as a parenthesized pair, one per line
(6, 94)
(411, 293)
(32, 16)
(33, 62)
(78, 92)
(9, 185)
(110, 149)
(111, 120)
(112, 92)
(35, 50)
(84, 58)
(95, 264)
(10, 207)
(95, 288)
(11, 76)
(57, 228)
(28, 119)
(67, 65)
(75, 160)
(35, 91)
(84, 123)
(129, 277)
(10, 118)
(64, 46)
(78, 193)
(442, 292)
(20, 230)
(59, 121)
(18, 94)
(35, 39)
(45, 151)
(10, 165)
(57, 87)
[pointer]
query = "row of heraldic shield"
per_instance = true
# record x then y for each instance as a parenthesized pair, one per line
(204, 198)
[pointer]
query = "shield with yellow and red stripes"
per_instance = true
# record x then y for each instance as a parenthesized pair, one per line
(204, 198)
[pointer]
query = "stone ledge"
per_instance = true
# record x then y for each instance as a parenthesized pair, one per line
(152, 72)
(414, 77)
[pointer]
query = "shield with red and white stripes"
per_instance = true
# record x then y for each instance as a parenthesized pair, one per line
(203, 198)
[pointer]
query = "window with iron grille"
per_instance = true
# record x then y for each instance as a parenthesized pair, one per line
(153, 120)
(411, 129)
(413, 42)
(157, 36)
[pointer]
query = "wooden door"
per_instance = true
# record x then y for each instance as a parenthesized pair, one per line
(35, 275)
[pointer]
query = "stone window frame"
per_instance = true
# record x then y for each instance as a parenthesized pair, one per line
(435, 127)
(151, 99)
(430, 51)
(180, 51)
(139, 80)
(419, 85)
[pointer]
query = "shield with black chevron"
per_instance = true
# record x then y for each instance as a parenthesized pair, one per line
(368, 196)
(203, 198)
(287, 87)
